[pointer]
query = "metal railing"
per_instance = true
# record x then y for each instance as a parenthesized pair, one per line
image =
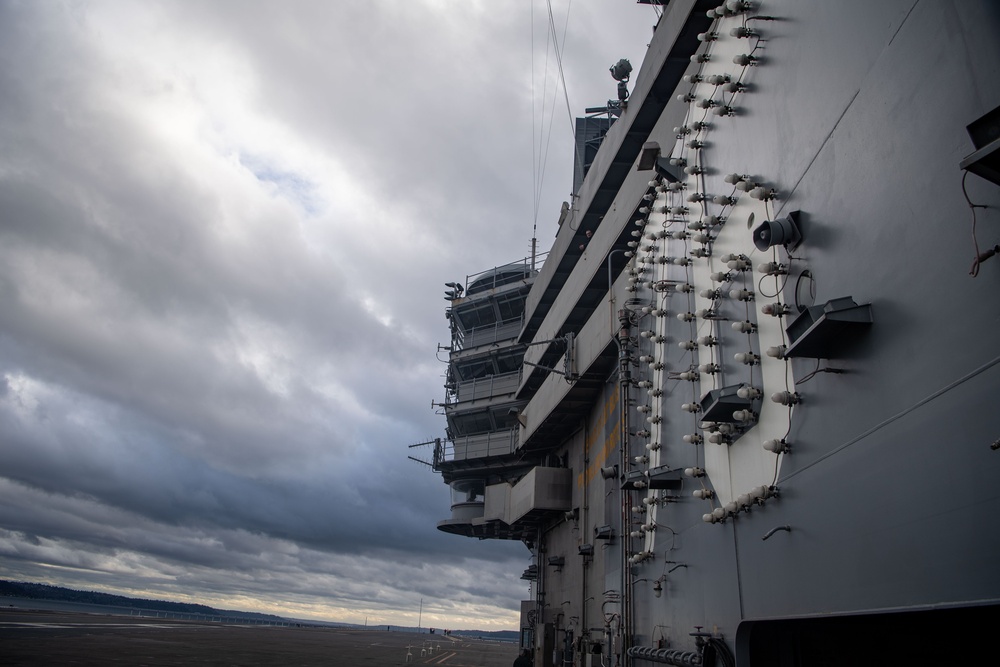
(499, 276)
(494, 443)
(487, 334)
(488, 387)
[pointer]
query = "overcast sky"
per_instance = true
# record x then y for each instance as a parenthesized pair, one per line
(224, 232)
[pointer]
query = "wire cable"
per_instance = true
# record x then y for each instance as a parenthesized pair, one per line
(979, 257)
(562, 76)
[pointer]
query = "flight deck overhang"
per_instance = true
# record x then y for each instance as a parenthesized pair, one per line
(559, 407)
(556, 406)
(668, 57)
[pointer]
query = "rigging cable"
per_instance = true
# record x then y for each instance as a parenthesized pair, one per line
(562, 76)
(540, 157)
(535, 133)
(537, 163)
(552, 38)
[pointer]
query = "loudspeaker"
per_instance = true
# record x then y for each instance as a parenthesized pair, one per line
(783, 231)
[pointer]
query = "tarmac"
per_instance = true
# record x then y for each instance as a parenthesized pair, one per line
(39, 638)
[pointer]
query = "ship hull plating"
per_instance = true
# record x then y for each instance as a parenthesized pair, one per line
(841, 504)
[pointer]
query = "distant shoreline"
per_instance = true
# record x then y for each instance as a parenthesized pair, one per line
(43, 604)
(46, 597)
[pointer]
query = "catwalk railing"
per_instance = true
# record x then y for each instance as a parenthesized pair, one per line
(487, 387)
(507, 274)
(494, 443)
(486, 335)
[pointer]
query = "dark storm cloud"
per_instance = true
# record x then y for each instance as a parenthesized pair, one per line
(224, 228)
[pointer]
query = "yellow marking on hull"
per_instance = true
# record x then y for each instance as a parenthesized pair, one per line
(609, 412)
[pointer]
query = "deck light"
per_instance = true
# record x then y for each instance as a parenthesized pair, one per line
(776, 446)
(763, 194)
(786, 398)
(772, 268)
(738, 6)
(775, 309)
(718, 438)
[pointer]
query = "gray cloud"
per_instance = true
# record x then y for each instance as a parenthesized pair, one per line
(224, 228)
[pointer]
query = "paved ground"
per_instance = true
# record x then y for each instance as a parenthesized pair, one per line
(41, 638)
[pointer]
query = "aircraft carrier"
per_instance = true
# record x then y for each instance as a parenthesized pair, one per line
(747, 409)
